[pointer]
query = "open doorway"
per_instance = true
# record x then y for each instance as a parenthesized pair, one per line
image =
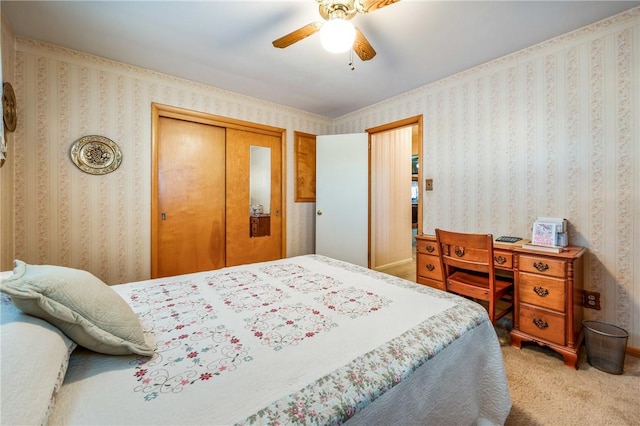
(395, 193)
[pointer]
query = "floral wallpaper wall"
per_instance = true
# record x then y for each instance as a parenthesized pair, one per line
(67, 217)
(553, 130)
(7, 169)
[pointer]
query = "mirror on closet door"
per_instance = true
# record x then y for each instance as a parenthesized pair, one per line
(260, 192)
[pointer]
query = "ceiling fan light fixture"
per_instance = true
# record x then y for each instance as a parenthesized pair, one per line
(337, 35)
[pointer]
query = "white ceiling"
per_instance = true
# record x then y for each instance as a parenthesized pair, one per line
(227, 44)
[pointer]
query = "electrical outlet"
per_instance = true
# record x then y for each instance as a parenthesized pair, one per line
(428, 184)
(591, 300)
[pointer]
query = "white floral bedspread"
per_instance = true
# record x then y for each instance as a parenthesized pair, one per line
(295, 341)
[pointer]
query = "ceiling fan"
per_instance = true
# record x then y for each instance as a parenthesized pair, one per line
(338, 13)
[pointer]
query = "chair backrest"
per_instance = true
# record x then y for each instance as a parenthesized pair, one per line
(472, 252)
(468, 270)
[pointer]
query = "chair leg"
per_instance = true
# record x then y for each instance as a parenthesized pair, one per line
(492, 309)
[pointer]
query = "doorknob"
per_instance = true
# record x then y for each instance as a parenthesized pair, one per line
(319, 213)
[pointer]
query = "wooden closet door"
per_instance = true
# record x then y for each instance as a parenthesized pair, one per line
(190, 232)
(241, 247)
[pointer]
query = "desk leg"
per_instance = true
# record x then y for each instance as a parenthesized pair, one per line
(516, 340)
(569, 355)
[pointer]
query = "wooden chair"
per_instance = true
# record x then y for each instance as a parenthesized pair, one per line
(468, 270)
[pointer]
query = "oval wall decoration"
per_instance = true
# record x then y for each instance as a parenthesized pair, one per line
(96, 155)
(9, 115)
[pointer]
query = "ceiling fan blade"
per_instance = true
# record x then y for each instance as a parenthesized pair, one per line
(362, 47)
(297, 35)
(371, 5)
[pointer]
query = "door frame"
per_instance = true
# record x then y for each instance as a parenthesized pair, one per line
(160, 110)
(406, 122)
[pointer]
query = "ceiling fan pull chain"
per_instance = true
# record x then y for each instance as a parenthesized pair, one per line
(351, 60)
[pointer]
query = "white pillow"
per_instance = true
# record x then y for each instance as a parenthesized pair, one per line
(33, 362)
(87, 310)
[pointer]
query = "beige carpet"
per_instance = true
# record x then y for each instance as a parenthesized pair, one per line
(546, 392)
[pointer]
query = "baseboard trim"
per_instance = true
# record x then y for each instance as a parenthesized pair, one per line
(394, 264)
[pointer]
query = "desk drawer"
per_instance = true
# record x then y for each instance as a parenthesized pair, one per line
(502, 259)
(542, 323)
(427, 247)
(542, 265)
(541, 291)
(429, 267)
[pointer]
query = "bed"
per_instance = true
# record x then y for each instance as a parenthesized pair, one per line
(302, 340)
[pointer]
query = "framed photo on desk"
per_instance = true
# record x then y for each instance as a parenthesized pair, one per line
(544, 234)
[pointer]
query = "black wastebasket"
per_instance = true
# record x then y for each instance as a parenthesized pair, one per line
(606, 346)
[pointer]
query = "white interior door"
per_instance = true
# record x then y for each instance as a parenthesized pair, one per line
(342, 197)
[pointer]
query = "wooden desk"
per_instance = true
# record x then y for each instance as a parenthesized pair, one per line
(548, 292)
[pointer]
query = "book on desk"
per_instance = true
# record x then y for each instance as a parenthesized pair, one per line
(547, 249)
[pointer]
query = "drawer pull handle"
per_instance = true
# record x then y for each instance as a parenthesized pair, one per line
(430, 248)
(459, 251)
(541, 291)
(541, 266)
(500, 260)
(430, 267)
(540, 323)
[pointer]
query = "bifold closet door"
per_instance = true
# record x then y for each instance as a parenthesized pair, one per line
(190, 233)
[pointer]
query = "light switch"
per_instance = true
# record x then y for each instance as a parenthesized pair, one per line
(428, 184)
